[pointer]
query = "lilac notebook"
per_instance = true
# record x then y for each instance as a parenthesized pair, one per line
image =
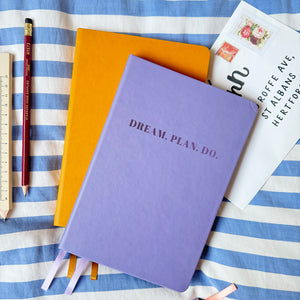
(158, 175)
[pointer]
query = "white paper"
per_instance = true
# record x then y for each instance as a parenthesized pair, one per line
(258, 58)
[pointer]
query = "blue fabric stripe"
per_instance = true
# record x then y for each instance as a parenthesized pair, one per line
(263, 198)
(41, 35)
(291, 168)
(45, 69)
(252, 261)
(30, 255)
(277, 199)
(42, 101)
(273, 199)
(35, 194)
(11, 36)
(225, 257)
(40, 132)
(226, 225)
(150, 8)
(288, 168)
(12, 225)
(258, 230)
(38, 163)
(48, 163)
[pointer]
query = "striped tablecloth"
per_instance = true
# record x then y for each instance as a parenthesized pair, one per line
(257, 248)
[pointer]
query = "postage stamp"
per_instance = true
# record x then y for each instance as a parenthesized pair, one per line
(227, 51)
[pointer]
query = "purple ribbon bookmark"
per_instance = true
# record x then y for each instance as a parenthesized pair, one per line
(54, 268)
(78, 271)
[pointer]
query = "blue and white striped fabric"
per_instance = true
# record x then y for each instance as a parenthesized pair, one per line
(258, 248)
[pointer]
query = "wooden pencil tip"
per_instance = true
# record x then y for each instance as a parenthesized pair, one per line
(25, 189)
(4, 213)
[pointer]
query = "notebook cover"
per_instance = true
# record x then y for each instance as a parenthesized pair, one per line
(100, 58)
(158, 175)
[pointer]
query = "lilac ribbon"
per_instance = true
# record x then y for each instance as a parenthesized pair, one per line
(54, 268)
(79, 269)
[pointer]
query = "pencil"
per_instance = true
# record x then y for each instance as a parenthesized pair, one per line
(26, 103)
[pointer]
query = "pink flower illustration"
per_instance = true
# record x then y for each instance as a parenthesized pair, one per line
(249, 23)
(246, 31)
(253, 33)
(259, 32)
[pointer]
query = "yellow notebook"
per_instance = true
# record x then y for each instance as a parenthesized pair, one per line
(99, 61)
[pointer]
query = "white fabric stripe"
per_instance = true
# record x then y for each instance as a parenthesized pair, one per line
(48, 85)
(41, 117)
(262, 214)
(48, 52)
(39, 148)
(32, 209)
(239, 243)
(38, 179)
(62, 53)
(38, 271)
(119, 23)
(26, 239)
(252, 278)
(282, 184)
(294, 154)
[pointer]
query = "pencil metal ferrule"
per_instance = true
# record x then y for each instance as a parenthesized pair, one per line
(28, 29)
